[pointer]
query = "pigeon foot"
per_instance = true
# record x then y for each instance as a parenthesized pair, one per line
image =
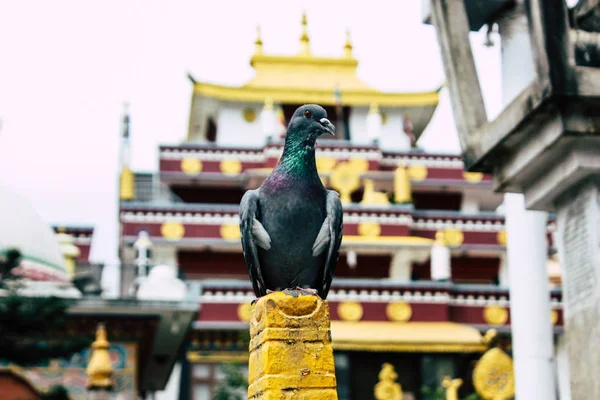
(306, 290)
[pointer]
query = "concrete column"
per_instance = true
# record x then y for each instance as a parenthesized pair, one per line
(527, 250)
(578, 222)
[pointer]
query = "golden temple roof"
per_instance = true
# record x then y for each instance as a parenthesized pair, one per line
(305, 78)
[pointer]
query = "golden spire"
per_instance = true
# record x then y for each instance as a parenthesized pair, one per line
(304, 39)
(387, 388)
(99, 369)
(348, 46)
(258, 43)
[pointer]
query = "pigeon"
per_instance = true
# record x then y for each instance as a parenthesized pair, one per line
(292, 226)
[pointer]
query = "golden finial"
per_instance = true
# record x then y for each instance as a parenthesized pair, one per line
(258, 43)
(387, 388)
(348, 45)
(99, 369)
(304, 39)
(452, 386)
(374, 108)
(268, 103)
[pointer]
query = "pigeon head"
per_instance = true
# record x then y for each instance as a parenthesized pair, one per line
(309, 122)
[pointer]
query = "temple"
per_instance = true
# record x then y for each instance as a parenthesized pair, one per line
(422, 275)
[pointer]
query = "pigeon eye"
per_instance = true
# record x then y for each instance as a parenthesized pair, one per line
(307, 114)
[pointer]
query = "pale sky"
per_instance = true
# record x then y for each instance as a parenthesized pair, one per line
(66, 67)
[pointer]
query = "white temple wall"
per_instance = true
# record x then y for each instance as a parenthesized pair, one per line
(234, 130)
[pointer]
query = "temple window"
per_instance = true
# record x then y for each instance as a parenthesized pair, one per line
(211, 130)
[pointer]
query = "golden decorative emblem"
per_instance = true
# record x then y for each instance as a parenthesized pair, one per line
(244, 311)
(359, 164)
(249, 115)
(191, 166)
(369, 229)
(501, 237)
(345, 179)
(417, 172)
(398, 311)
(172, 230)
(493, 376)
(230, 232)
(554, 316)
(325, 164)
(495, 315)
(387, 388)
(452, 237)
(472, 177)
(350, 311)
(231, 167)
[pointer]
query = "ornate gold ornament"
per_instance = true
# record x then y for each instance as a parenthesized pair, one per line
(493, 376)
(191, 166)
(369, 229)
(501, 237)
(350, 311)
(231, 167)
(230, 232)
(472, 177)
(249, 114)
(345, 178)
(451, 386)
(244, 311)
(387, 388)
(452, 237)
(172, 230)
(359, 164)
(325, 164)
(495, 315)
(398, 311)
(371, 197)
(417, 172)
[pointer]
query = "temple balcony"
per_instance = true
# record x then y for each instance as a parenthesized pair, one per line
(483, 307)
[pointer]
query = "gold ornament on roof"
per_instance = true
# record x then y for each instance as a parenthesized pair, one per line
(449, 237)
(172, 230)
(258, 43)
(348, 46)
(417, 172)
(398, 311)
(244, 312)
(451, 386)
(495, 315)
(325, 164)
(387, 388)
(345, 178)
(99, 369)
(501, 237)
(493, 376)
(127, 184)
(473, 177)
(371, 197)
(230, 231)
(231, 167)
(191, 166)
(249, 115)
(402, 188)
(350, 311)
(369, 229)
(304, 39)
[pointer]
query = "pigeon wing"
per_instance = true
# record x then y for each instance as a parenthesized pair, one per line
(253, 234)
(329, 239)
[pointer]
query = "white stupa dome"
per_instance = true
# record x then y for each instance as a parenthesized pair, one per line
(21, 228)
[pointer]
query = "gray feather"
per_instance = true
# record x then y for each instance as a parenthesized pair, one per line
(323, 239)
(260, 234)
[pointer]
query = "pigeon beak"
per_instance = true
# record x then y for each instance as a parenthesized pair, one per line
(329, 127)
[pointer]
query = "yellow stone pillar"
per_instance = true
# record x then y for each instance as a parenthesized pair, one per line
(290, 349)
